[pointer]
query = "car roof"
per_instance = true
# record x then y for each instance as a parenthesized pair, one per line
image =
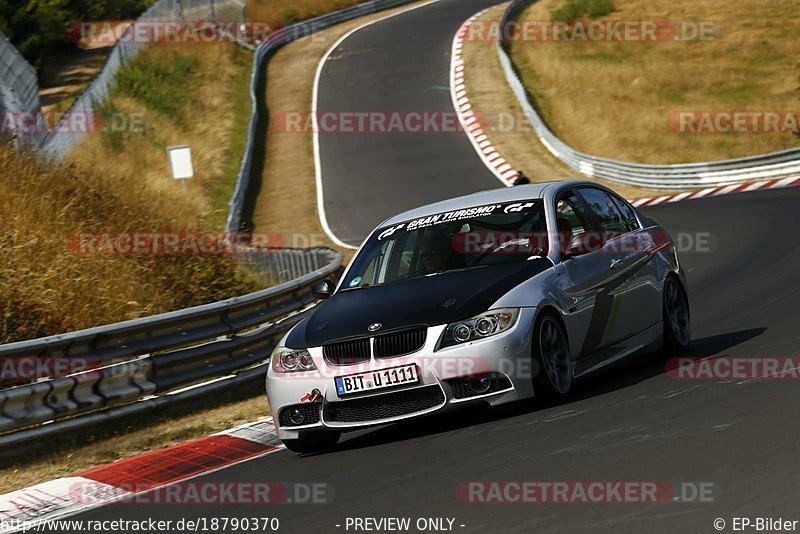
(501, 194)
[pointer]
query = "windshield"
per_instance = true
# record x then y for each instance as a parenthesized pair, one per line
(448, 241)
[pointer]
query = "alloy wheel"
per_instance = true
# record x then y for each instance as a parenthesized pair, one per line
(555, 355)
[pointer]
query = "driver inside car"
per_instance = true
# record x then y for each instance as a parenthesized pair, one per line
(436, 255)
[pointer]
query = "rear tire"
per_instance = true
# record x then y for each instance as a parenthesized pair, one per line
(551, 357)
(677, 320)
(313, 443)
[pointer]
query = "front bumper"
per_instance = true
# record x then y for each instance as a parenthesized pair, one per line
(505, 358)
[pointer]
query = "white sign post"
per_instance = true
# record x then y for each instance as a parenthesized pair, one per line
(180, 163)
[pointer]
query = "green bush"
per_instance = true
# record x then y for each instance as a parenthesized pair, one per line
(568, 12)
(573, 10)
(599, 8)
(162, 86)
(289, 15)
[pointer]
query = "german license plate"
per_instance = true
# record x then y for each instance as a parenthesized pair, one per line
(372, 380)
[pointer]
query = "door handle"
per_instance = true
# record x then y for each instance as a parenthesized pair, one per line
(615, 264)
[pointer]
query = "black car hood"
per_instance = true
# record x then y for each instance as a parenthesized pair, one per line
(427, 300)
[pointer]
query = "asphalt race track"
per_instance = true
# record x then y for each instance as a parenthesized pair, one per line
(401, 64)
(633, 422)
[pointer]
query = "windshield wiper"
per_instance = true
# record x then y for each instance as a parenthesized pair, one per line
(354, 287)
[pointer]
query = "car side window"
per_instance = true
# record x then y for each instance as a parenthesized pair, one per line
(627, 213)
(606, 211)
(570, 215)
(572, 220)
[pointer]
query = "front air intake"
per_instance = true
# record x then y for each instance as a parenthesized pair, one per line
(386, 405)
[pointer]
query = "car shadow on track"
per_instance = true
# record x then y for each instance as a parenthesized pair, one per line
(618, 376)
(637, 369)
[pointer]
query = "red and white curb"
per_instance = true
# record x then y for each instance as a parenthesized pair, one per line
(470, 122)
(125, 478)
(717, 191)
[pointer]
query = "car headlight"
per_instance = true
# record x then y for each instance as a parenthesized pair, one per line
(286, 360)
(479, 327)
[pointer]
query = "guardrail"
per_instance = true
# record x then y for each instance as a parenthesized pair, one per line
(138, 365)
(680, 176)
(251, 166)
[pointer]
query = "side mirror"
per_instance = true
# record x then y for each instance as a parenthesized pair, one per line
(521, 179)
(323, 289)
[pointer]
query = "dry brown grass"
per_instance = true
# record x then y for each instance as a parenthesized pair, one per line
(613, 99)
(120, 183)
(47, 288)
(208, 87)
(289, 11)
(491, 97)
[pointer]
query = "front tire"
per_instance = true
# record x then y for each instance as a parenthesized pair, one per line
(314, 443)
(677, 320)
(551, 358)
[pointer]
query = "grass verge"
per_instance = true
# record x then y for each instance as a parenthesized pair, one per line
(48, 287)
(491, 97)
(117, 180)
(616, 99)
(290, 11)
(178, 94)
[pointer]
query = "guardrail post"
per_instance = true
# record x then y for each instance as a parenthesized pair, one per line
(26, 404)
(59, 398)
(5, 422)
(126, 381)
(84, 392)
